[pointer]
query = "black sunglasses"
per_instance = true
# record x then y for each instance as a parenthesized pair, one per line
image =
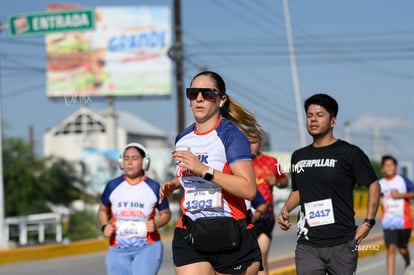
(209, 94)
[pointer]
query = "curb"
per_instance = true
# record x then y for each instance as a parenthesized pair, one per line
(55, 250)
(285, 265)
(48, 251)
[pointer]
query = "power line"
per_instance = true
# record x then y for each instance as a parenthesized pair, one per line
(252, 98)
(245, 16)
(253, 75)
(22, 42)
(25, 90)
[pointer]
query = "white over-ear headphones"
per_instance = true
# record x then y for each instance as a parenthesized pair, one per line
(145, 160)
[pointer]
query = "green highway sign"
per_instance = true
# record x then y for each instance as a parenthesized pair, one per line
(51, 21)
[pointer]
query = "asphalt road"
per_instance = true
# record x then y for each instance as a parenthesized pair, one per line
(94, 264)
(283, 244)
(376, 264)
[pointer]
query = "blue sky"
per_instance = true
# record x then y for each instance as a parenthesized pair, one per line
(360, 52)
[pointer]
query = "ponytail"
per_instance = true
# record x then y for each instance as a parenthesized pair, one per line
(243, 118)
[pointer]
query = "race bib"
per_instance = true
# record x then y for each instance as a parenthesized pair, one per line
(319, 213)
(130, 229)
(394, 206)
(203, 198)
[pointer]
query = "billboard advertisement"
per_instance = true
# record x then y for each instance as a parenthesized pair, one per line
(125, 55)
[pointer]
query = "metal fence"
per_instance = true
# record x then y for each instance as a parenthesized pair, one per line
(37, 224)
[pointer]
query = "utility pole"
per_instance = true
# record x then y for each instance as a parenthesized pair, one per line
(295, 79)
(347, 129)
(111, 124)
(3, 241)
(178, 57)
(378, 144)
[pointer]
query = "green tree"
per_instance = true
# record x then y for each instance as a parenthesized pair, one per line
(377, 168)
(32, 183)
(83, 225)
(59, 182)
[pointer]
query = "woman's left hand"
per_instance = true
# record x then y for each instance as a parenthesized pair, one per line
(151, 226)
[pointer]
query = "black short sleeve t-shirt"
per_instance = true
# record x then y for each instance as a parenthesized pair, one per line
(325, 178)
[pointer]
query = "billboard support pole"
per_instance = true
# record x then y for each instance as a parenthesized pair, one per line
(179, 66)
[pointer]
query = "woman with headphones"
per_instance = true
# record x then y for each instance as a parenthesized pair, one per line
(127, 216)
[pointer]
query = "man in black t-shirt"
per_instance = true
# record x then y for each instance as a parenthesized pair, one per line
(323, 178)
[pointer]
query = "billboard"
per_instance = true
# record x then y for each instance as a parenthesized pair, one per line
(125, 55)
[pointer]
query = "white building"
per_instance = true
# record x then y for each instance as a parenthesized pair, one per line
(84, 138)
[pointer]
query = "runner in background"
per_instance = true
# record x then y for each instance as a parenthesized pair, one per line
(268, 175)
(397, 223)
(324, 175)
(127, 216)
